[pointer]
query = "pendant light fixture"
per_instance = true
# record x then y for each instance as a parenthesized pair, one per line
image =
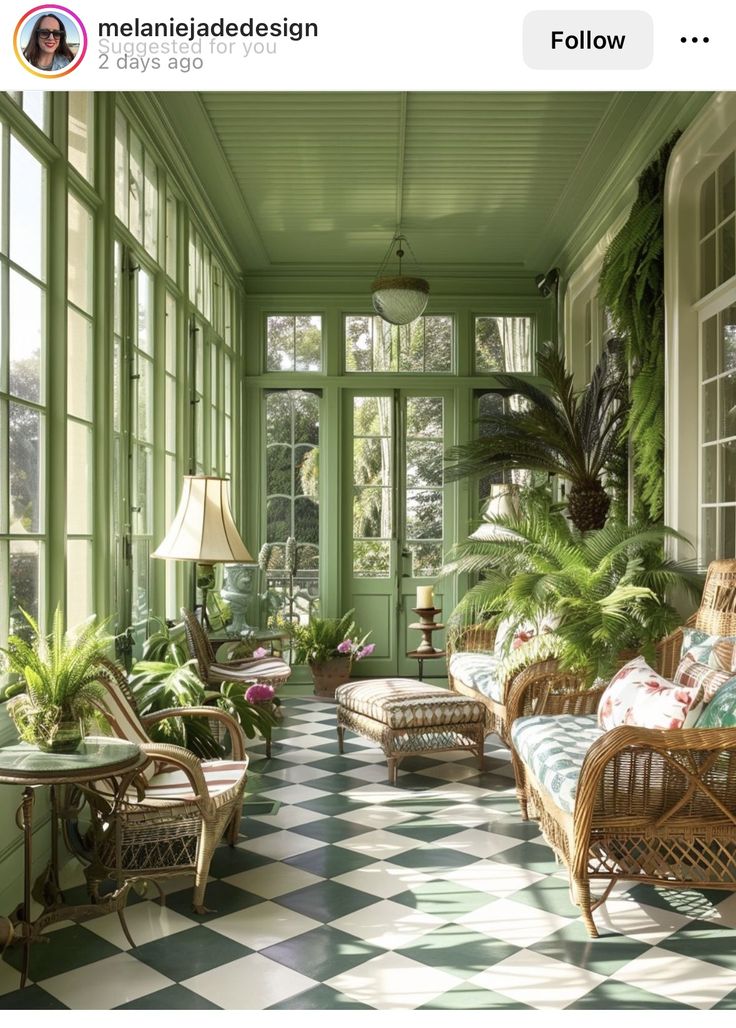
(399, 299)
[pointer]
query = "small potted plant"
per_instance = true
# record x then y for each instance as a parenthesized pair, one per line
(329, 646)
(58, 682)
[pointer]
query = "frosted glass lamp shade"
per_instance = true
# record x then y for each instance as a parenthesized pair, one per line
(401, 299)
(203, 529)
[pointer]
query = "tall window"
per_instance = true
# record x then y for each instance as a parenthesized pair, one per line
(136, 185)
(372, 344)
(718, 364)
(80, 369)
(292, 498)
(23, 213)
(81, 128)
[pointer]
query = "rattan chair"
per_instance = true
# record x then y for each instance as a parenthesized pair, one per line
(269, 670)
(651, 806)
(177, 810)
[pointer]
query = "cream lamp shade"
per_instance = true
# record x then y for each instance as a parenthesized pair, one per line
(203, 529)
(503, 503)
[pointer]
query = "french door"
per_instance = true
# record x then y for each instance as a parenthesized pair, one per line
(396, 518)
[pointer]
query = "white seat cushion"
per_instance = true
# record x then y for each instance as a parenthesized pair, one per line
(553, 748)
(479, 671)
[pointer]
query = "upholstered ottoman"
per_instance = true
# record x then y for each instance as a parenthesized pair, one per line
(406, 717)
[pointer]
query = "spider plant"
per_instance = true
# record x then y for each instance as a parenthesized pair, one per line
(58, 681)
(604, 589)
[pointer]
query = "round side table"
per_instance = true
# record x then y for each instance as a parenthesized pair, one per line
(97, 759)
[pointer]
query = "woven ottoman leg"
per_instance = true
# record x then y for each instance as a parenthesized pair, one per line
(340, 738)
(393, 764)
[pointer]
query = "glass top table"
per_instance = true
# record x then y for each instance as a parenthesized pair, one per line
(22, 764)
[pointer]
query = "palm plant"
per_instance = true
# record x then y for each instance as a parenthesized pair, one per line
(556, 431)
(58, 681)
(604, 589)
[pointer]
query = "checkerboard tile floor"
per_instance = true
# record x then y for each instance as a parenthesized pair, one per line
(347, 893)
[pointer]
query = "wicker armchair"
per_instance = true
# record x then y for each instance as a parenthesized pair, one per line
(651, 806)
(177, 810)
(269, 670)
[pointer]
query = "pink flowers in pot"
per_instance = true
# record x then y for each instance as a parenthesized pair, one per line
(356, 650)
(259, 693)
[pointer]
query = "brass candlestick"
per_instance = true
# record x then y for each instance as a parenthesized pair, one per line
(426, 625)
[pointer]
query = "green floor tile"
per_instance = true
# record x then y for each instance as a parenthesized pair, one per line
(329, 861)
(434, 859)
(33, 997)
(605, 955)
(333, 803)
(424, 829)
(443, 899)
(472, 997)
(320, 998)
(326, 901)
(190, 952)
(337, 783)
(692, 903)
(220, 898)
(322, 953)
(614, 995)
(250, 829)
(704, 940)
(727, 1003)
(175, 997)
(458, 950)
(335, 763)
(551, 894)
(230, 860)
(532, 856)
(331, 829)
(60, 951)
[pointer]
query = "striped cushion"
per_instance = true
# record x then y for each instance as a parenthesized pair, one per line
(125, 722)
(172, 783)
(693, 674)
(404, 703)
(264, 669)
(479, 671)
(553, 748)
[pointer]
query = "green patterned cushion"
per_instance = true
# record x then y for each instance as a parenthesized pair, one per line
(479, 671)
(404, 703)
(553, 748)
(721, 711)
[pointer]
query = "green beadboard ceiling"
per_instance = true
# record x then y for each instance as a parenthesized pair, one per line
(481, 183)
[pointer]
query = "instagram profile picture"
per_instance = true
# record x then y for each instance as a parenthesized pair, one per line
(50, 41)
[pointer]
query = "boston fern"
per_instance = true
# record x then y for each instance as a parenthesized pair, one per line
(603, 592)
(574, 435)
(631, 286)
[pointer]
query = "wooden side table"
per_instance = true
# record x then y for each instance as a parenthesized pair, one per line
(421, 655)
(97, 759)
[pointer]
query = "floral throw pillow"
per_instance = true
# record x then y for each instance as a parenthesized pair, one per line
(693, 674)
(637, 695)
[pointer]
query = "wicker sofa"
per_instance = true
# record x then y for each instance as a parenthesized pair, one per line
(636, 804)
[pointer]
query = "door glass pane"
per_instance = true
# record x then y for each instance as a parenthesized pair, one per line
(423, 457)
(372, 485)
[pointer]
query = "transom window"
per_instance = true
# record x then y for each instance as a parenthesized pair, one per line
(718, 434)
(503, 343)
(718, 227)
(294, 342)
(425, 345)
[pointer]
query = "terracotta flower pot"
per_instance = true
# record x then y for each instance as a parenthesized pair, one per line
(328, 674)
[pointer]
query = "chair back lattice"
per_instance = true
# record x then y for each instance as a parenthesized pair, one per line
(199, 645)
(717, 612)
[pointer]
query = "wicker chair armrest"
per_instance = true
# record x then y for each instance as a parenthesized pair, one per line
(622, 776)
(237, 736)
(177, 756)
(546, 688)
(473, 639)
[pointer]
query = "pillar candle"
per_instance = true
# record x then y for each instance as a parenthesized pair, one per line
(425, 597)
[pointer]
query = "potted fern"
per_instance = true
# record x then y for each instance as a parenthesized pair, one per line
(329, 646)
(58, 682)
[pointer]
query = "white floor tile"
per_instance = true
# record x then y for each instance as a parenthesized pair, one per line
(539, 981)
(677, 977)
(106, 983)
(387, 924)
(494, 877)
(367, 757)
(383, 879)
(368, 772)
(724, 914)
(280, 845)
(306, 740)
(294, 793)
(451, 772)
(624, 915)
(296, 756)
(299, 773)
(377, 792)
(288, 817)
(479, 844)
(379, 844)
(393, 982)
(262, 925)
(273, 880)
(515, 923)
(250, 983)
(468, 814)
(146, 923)
(375, 816)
